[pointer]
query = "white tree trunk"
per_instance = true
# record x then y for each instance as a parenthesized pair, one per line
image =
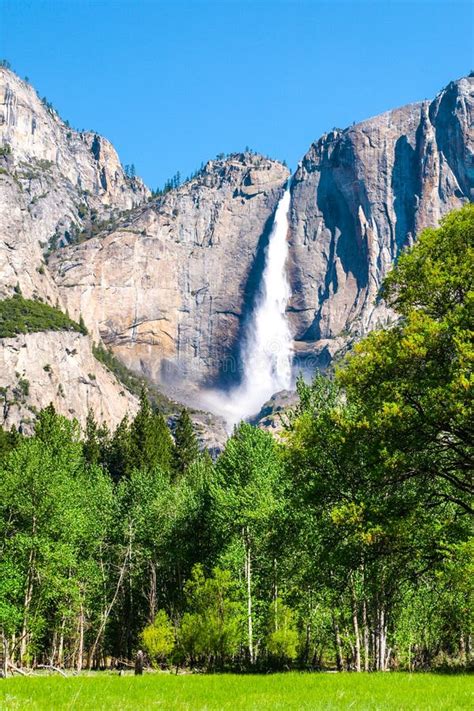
(366, 636)
(355, 624)
(248, 576)
(80, 650)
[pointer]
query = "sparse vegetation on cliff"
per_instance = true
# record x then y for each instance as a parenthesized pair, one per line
(134, 383)
(19, 315)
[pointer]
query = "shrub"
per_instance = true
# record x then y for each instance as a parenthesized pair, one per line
(24, 386)
(282, 637)
(158, 638)
(212, 631)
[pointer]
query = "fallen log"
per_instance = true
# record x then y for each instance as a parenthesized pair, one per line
(50, 666)
(18, 670)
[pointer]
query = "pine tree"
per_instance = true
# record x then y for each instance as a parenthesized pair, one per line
(96, 441)
(8, 440)
(151, 442)
(186, 449)
(91, 447)
(119, 458)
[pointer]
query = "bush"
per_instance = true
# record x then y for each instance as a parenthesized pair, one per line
(158, 638)
(282, 637)
(212, 631)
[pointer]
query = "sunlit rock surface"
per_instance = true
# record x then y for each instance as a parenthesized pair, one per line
(170, 286)
(359, 196)
(169, 283)
(50, 366)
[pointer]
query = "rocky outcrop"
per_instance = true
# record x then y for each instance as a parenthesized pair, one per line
(58, 367)
(169, 286)
(54, 182)
(361, 195)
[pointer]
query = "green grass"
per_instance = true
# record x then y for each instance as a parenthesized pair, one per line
(19, 315)
(290, 691)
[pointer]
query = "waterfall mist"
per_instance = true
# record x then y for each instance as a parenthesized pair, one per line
(266, 353)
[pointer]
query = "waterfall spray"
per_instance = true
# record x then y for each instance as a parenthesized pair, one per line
(267, 346)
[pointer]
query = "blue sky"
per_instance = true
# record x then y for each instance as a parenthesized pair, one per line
(172, 84)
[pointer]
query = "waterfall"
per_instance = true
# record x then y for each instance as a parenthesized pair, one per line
(267, 346)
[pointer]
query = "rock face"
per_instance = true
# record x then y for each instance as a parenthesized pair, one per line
(57, 367)
(54, 183)
(358, 197)
(168, 288)
(168, 283)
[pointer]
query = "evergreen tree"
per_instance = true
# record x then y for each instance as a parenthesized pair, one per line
(91, 447)
(96, 441)
(151, 441)
(186, 446)
(119, 453)
(8, 440)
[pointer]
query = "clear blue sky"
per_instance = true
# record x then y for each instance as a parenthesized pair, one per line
(174, 83)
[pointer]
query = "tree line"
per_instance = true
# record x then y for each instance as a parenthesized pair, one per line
(345, 544)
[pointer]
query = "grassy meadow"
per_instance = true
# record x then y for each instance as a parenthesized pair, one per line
(384, 692)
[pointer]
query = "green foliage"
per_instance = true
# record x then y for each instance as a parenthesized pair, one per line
(212, 630)
(24, 386)
(282, 637)
(435, 275)
(96, 441)
(130, 171)
(119, 460)
(413, 382)
(145, 443)
(19, 315)
(54, 523)
(158, 638)
(150, 440)
(380, 462)
(5, 150)
(186, 446)
(8, 441)
(246, 487)
(170, 184)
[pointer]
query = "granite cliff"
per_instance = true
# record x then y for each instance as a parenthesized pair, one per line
(55, 183)
(168, 282)
(359, 196)
(169, 286)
